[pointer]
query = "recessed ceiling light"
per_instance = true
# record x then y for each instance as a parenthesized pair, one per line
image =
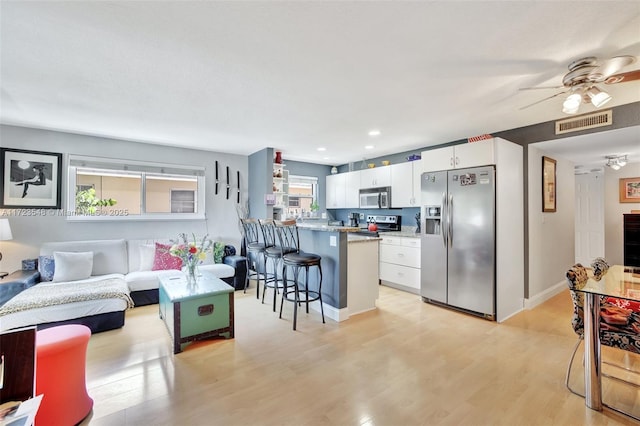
(322, 148)
(369, 147)
(374, 132)
(326, 158)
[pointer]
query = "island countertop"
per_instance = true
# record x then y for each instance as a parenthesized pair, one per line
(327, 228)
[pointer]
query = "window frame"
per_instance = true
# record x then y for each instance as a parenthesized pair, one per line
(142, 167)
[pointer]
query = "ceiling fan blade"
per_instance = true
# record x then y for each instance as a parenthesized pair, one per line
(542, 100)
(611, 66)
(623, 77)
(541, 87)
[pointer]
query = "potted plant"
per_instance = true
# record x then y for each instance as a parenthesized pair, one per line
(314, 208)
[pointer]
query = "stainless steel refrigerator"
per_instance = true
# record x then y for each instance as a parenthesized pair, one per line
(458, 235)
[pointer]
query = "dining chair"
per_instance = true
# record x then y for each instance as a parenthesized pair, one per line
(273, 257)
(619, 327)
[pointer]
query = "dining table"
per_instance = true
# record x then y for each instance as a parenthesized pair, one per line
(622, 282)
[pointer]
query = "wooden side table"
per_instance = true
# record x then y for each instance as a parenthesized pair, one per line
(196, 311)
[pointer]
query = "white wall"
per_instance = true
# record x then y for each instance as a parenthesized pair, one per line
(551, 235)
(614, 209)
(29, 232)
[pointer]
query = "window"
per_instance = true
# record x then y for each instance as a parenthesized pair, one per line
(303, 192)
(133, 190)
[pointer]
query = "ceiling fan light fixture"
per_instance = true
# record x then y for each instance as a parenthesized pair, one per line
(598, 97)
(571, 104)
(622, 160)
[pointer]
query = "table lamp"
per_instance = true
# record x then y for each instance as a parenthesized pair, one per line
(5, 235)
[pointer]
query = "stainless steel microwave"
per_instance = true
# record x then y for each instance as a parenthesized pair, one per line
(375, 198)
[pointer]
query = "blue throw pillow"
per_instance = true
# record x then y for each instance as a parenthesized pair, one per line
(46, 267)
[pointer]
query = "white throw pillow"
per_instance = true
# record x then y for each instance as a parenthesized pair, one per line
(147, 254)
(72, 266)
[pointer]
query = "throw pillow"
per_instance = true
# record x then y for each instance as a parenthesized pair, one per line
(218, 252)
(147, 256)
(46, 267)
(163, 260)
(72, 266)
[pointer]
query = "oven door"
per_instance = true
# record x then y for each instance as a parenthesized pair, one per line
(369, 200)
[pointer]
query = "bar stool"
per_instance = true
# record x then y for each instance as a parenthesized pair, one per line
(255, 253)
(273, 253)
(294, 290)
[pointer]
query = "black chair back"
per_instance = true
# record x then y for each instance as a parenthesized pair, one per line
(251, 230)
(288, 237)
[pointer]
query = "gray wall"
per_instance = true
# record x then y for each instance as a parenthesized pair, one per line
(260, 183)
(221, 221)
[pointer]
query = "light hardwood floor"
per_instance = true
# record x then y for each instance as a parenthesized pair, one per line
(406, 363)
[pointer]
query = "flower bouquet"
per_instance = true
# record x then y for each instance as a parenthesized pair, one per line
(191, 253)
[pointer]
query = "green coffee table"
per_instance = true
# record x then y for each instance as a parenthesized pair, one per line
(196, 311)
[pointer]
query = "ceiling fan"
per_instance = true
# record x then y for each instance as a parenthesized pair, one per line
(580, 82)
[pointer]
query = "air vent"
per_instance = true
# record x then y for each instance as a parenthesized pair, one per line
(584, 122)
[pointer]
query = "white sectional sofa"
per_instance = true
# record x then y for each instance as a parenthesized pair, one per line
(116, 267)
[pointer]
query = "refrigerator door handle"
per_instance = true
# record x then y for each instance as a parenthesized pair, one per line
(443, 228)
(450, 220)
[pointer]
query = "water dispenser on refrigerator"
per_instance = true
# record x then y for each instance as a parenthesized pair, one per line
(432, 218)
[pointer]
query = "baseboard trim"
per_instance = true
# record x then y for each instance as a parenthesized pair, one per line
(540, 298)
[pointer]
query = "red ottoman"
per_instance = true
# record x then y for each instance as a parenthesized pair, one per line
(61, 356)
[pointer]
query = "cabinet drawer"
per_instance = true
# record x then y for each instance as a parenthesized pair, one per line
(393, 241)
(411, 242)
(400, 255)
(403, 275)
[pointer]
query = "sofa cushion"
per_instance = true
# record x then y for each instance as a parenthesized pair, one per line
(70, 266)
(220, 270)
(163, 260)
(147, 280)
(109, 256)
(46, 267)
(147, 255)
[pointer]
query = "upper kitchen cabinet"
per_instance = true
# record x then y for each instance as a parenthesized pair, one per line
(342, 191)
(375, 177)
(473, 154)
(335, 192)
(405, 184)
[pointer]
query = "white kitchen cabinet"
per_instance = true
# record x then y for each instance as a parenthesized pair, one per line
(375, 177)
(335, 191)
(400, 263)
(405, 184)
(461, 156)
(352, 190)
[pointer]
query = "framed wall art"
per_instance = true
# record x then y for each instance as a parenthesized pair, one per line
(30, 179)
(548, 184)
(630, 190)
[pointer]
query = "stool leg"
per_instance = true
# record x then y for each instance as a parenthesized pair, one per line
(296, 275)
(247, 264)
(284, 287)
(320, 292)
(306, 285)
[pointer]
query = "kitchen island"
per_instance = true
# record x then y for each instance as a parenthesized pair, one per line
(349, 267)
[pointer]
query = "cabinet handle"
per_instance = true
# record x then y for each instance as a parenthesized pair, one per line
(457, 161)
(400, 254)
(400, 273)
(451, 161)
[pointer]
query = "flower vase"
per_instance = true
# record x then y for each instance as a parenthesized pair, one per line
(191, 273)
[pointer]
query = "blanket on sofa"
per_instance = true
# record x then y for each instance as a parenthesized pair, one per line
(40, 296)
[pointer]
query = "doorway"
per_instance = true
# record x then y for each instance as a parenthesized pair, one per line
(589, 212)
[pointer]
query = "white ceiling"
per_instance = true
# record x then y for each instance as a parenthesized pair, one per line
(296, 76)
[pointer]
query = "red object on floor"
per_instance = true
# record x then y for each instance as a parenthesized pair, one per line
(61, 357)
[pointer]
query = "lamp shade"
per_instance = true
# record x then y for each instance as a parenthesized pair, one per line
(5, 230)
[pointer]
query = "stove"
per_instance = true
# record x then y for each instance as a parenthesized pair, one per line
(385, 224)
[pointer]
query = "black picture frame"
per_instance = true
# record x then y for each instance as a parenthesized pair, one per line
(30, 179)
(548, 185)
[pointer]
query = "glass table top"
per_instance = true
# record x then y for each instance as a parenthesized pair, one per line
(619, 281)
